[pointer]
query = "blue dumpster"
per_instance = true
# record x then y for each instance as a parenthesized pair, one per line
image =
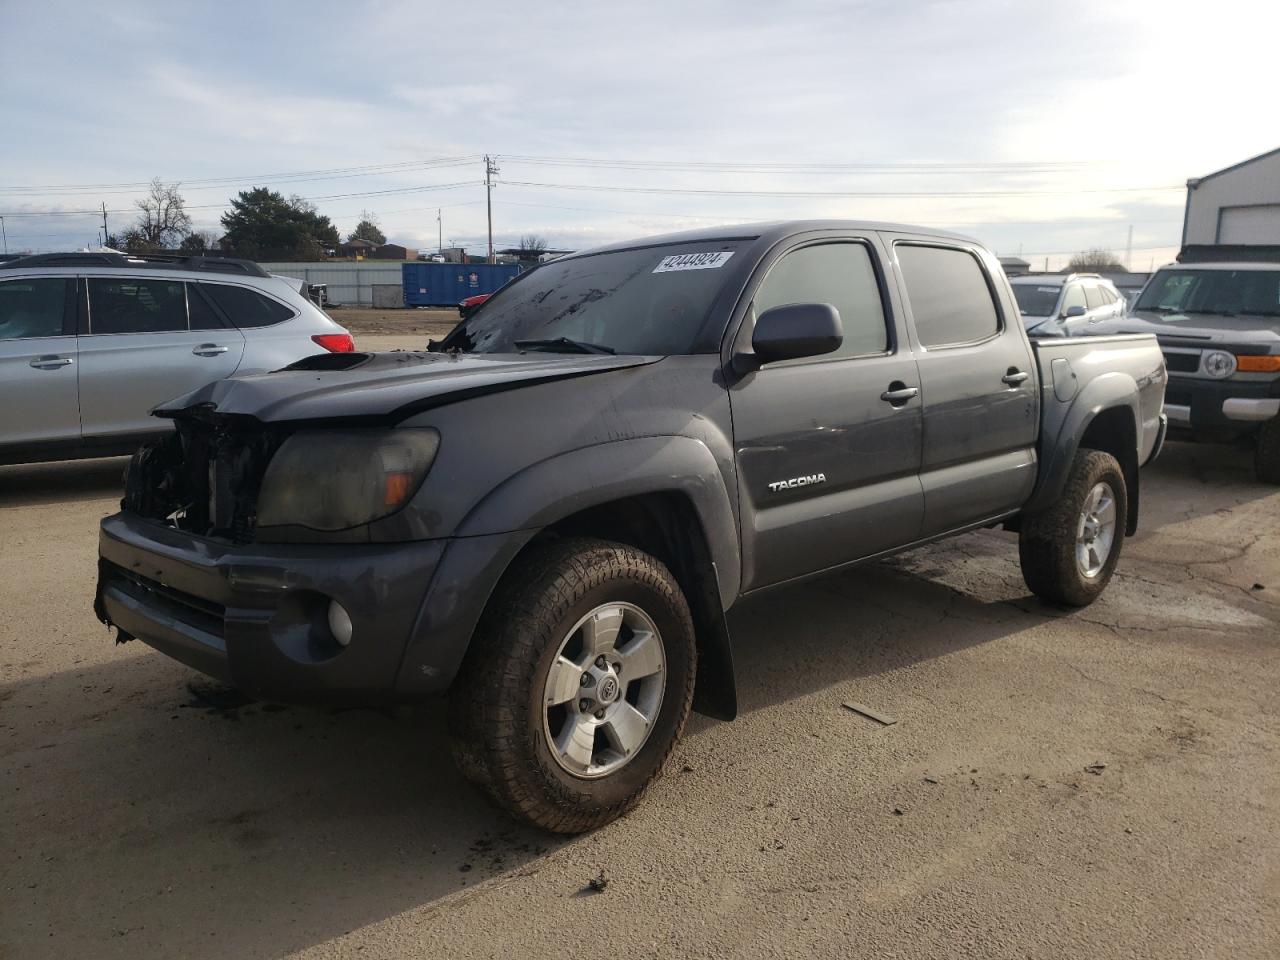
(445, 284)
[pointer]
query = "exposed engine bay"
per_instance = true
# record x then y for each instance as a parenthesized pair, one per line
(204, 478)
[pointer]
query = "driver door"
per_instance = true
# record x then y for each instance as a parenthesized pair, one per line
(828, 465)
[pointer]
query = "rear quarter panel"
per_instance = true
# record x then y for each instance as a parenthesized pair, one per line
(1081, 377)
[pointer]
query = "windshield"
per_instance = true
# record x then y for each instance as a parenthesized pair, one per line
(653, 300)
(1228, 292)
(1036, 300)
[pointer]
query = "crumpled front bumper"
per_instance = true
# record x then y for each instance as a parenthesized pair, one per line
(255, 615)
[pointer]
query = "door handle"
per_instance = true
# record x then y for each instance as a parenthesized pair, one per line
(209, 350)
(51, 363)
(899, 393)
(1014, 377)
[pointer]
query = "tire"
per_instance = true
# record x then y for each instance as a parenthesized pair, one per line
(1049, 542)
(546, 610)
(1266, 455)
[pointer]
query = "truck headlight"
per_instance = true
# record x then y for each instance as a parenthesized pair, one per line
(1218, 364)
(338, 479)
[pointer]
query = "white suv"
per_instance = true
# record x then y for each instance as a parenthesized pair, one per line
(1054, 305)
(91, 342)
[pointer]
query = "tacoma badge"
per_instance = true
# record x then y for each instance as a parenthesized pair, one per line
(798, 482)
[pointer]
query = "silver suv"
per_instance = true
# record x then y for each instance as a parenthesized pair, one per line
(1055, 305)
(91, 342)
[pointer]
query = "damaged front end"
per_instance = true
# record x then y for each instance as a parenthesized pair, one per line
(205, 477)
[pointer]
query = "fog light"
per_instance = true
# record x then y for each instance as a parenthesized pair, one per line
(339, 623)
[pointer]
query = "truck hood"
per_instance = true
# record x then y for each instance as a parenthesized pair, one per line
(385, 387)
(1204, 327)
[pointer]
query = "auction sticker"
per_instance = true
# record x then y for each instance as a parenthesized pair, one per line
(711, 260)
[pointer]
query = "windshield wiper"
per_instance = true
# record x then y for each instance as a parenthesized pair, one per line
(563, 345)
(1216, 313)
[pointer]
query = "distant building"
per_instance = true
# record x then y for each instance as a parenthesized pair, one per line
(1237, 208)
(1015, 266)
(367, 250)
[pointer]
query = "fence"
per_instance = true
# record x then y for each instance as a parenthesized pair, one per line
(348, 283)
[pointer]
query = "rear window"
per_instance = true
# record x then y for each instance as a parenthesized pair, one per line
(32, 308)
(1036, 299)
(245, 307)
(136, 305)
(949, 296)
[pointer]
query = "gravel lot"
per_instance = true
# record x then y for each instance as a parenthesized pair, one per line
(1098, 784)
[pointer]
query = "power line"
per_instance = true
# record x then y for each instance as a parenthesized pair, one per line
(684, 191)
(332, 173)
(826, 167)
(221, 206)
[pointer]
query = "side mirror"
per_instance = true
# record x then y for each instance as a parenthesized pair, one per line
(796, 330)
(1073, 312)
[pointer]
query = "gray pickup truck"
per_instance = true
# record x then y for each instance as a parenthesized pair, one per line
(547, 515)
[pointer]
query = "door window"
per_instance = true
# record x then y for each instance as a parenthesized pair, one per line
(32, 308)
(136, 305)
(949, 296)
(1093, 296)
(245, 307)
(1074, 298)
(840, 274)
(203, 316)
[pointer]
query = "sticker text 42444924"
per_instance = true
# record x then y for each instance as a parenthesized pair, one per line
(710, 260)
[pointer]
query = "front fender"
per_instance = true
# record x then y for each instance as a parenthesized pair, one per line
(511, 514)
(569, 482)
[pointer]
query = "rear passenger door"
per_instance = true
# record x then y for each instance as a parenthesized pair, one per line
(828, 447)
(145, 340)
(978, 384)
(38, 400)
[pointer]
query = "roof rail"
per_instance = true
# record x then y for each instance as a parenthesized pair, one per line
(153, 261)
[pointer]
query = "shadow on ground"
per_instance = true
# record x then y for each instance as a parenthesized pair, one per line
(189, 822)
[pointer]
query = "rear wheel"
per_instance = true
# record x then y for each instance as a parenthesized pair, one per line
(1069, 552)
(577, 684)
(1266, 456)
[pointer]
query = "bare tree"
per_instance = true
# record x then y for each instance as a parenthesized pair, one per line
(1096, 260)
(162, 221)
(367, 229)
(532, 247)
(199, 241)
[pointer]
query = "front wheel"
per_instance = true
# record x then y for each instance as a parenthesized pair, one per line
(1069, 552)
(577, 684)
(1266, 456)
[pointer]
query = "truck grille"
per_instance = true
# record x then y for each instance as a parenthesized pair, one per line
(1182, 362)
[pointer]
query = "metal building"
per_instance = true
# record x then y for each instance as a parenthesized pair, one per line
(348, 283)
(1238, 206)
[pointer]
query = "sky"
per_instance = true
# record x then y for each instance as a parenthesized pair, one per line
(1040, 128)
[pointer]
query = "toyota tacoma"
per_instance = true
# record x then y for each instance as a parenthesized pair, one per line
(546, 515)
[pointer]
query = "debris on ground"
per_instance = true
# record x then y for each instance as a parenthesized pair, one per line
(597, 884)
(880, 718)
(216, 698)
(1258, 586)
(928, 779)
(686, 769)
(1096, 768)
(898, 811)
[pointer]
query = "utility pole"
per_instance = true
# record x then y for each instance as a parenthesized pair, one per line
(5, 235)
(104, 224)
(1128, 250)
(440, 229)
(490, 171)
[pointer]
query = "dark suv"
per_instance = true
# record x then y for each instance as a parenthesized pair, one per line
(1219, 327)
